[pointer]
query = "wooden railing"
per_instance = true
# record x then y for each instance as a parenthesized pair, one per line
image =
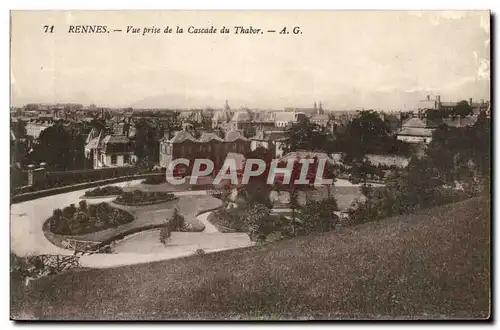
(81, 247)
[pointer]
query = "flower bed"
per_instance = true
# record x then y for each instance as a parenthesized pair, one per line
(155, 179)
(139, 197)
(104, 191)
(86, 219)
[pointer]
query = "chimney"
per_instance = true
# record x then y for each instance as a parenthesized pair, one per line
(438, 102)
(470, 101)
(428, 97)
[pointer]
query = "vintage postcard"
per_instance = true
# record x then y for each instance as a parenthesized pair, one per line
(250, 165)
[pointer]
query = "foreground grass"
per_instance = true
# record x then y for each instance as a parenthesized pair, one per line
(435, 264)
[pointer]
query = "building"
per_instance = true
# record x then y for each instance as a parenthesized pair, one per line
(320, 119)
(208, 146)
(308, 111)
(286, 118)
(107, 150)
(35, 127)
(417, 130)
(241, 121)
(437, 104)
(460, 122)
(221, 118)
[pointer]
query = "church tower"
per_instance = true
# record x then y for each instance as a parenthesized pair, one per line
(320, 110)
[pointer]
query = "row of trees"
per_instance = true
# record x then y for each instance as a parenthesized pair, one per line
(364, 134)
(456, 166)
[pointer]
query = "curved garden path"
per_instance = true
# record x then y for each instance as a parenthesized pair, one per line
(28, 238)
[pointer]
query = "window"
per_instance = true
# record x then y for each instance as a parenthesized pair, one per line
(126, 159)
(113, 159)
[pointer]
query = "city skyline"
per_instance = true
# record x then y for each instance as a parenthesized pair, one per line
(379, 60)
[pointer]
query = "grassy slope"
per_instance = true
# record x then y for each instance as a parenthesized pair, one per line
(435, 264)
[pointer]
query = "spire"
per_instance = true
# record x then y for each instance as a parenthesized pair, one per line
(226, 106)
(320, 110)
(315, 105)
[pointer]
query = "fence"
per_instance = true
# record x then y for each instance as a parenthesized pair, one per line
(43, 179)
(31, 192)
(48, 264)
(80, 246)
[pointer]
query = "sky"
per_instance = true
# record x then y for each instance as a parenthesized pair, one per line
(386, 60)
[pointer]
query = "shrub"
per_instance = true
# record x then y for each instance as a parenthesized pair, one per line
(138, 197)
(82, 205)
(177, 221)
(317, 216)
(200, 252)
(105, 191)
(68, 212)
(88, 219)
(164, 235)
(156, 179)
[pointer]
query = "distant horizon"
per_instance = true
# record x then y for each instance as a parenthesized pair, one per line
(240, 108)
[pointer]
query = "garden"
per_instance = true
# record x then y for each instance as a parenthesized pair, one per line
(85, 219)
(104, 191)
(141, 198)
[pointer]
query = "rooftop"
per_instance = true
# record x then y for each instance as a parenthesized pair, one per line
(207, 137)
(233, 136)
(419, 123)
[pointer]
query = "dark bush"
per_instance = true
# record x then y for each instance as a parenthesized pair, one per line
(105, 191)
(138, 197)
(156, 179)
(88, 219)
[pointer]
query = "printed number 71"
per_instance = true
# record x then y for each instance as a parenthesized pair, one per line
(48, 29)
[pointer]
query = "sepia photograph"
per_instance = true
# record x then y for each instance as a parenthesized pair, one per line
(250, 165)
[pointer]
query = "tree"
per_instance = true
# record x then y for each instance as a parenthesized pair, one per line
(164, 234)
(330, 173)
(258, 222)
(367, 133)
(436, 114)
(146, 141)
(225, 196)
(462, 109)
(61, 148)
(317, 216)
(177, 221)
(82, 205)
(294, 204)
(306, 135)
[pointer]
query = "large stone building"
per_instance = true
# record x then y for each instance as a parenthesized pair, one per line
(208, 146)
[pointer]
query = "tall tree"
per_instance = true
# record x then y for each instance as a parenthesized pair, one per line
(61, 148)
(462, 109)
(306, 135)
(365, 133)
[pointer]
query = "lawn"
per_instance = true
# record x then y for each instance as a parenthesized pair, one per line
(434, 264)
